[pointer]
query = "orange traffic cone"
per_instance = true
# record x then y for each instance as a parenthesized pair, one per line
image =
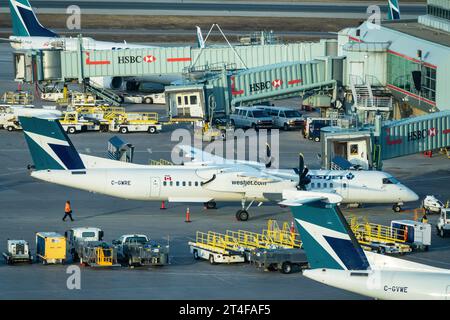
(163, 205)
(188, 216)
(292, 227)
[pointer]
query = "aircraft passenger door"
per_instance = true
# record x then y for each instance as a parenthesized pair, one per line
(155, 187)
(344, 189)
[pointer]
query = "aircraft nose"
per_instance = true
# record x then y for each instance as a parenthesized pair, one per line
(410, 195)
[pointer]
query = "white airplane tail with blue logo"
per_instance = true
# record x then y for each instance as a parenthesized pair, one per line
(393, 10)
(327, 238)
(25, 22)
(49, 145)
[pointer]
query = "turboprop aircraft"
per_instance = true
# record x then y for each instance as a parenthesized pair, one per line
(57, 161)
(375, 187)
(336, 259)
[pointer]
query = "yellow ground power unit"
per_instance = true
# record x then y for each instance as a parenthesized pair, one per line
(50, 247)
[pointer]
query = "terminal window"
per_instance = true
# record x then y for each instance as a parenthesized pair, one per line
(438, 12)
(400, 75)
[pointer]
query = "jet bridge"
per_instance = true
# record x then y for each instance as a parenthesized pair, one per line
(59, 65)
(370, 145)
(217, 94)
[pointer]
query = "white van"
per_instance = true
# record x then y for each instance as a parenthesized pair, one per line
(285, 118)
(251, 117)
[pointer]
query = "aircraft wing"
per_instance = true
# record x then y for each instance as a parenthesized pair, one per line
(298, 197)
(197, 156)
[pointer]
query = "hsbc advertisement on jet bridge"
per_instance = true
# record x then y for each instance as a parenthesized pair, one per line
(276, 78)
(131, 62)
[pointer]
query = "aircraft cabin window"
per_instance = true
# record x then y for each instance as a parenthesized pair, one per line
(324, 185)
(165, 183)
(318, 185)
(177, 183)
(312, 185)
(196, 183)
(184, 183)
(331, 185)
(171, 183)
(344, 185)
(189, 183)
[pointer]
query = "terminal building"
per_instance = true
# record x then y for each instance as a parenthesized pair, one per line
(411, 58)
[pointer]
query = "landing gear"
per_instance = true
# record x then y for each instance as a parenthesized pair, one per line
(210, 205)
(397, 207)
(242, 215)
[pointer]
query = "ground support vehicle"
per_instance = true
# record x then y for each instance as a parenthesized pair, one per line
(135, 122)
(17, 251)
(443, 224)
(285, 118)
(432, 205)
(77, 237)
(379, 238)
(211, 246)
(72, 122)
(416, 234)
(284, 260)
(50, 248)
(98, 254)
(139, 250)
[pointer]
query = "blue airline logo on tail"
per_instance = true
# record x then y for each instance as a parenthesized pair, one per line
(327, 239)
(393, 10)
(25, 22)
(49, 145)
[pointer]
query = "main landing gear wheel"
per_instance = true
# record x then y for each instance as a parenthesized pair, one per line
(397, 208)
(242, 215)
(211, 205)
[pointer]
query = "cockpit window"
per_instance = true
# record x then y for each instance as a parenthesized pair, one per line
(390, 180)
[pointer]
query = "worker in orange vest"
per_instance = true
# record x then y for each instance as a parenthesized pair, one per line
(67, 211)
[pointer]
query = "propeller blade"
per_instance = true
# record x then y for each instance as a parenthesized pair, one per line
(268, 156)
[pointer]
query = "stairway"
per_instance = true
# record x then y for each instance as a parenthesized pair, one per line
(107, 95)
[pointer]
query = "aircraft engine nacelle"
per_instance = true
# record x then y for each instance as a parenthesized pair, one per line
(108, 82)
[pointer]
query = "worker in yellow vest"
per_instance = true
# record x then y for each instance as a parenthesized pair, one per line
(67, 211)
(424, 218)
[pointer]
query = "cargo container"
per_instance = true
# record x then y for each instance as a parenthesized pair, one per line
(50, 248)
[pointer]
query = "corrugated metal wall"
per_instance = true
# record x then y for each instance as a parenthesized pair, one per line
(413, 135)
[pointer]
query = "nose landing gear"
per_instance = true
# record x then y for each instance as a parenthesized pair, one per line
(397, 207)
(242, 215)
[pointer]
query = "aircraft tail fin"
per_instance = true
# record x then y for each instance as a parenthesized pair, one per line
(50, 147)
(200, 40)
(24, 20)
(327, 238)
(393, 10)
